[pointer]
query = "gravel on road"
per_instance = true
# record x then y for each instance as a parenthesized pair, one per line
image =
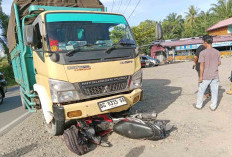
(170, 90)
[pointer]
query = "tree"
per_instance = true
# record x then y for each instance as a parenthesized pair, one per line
(172, 26)
(203, 21)
(3, 36)
(117, 33)
(191, 16)
(190, 22)
(222, 10)
(144, 34)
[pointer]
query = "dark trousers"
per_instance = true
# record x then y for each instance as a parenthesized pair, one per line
(207, 91)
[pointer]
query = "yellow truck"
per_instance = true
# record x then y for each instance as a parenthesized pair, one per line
(73, 60)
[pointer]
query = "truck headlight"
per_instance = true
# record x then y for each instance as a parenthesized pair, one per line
(62, 91)
(136, 80)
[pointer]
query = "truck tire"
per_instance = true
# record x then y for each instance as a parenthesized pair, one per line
(56, 127)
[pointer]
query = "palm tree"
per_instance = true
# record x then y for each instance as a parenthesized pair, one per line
(191, 16)
(190, 22)
(223, 9)
(173, 17)
(3, 36)
(204, 21)
(172, 26)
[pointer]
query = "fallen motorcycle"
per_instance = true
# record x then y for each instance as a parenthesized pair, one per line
(92, 129)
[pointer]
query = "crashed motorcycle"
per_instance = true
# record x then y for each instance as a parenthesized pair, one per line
(91, 130)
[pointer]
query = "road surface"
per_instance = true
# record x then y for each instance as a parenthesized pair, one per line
(11, 111)
(170, 90)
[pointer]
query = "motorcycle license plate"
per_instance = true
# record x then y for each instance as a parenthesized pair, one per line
(113, 103)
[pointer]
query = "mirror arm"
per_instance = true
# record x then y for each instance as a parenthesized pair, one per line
(49, 52)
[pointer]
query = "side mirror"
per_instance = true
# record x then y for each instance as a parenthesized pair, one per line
(137, 50)
(55, 57)
(29, 35)
(159, 32)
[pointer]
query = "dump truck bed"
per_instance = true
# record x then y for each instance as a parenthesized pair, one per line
(23, 10)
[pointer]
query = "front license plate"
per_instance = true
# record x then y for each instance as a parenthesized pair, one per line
(113, 103)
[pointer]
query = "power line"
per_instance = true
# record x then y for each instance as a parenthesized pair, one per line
(134, 9)
(127, 6)
(112, 6)
(120, 6)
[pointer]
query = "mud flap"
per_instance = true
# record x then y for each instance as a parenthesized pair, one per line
(43, 96)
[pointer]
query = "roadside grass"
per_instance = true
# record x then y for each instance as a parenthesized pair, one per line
(7, 70)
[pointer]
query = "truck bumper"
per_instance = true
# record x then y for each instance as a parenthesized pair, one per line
(91, 108)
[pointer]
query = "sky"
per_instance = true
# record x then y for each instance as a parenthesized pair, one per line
(147, 9)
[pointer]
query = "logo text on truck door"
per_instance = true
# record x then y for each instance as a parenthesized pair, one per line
(79, 68)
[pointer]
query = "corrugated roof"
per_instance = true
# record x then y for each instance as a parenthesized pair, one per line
(156, 48)
(221, 24)
(194, 41)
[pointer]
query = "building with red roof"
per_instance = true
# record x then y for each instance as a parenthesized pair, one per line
(182, 49)
(223, 27)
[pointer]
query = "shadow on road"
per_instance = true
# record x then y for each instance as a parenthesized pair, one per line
(135, 152)
(220, 96)
(21, 151)
(10, 103)
(158, 95)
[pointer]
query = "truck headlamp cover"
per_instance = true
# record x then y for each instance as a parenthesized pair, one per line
(136, 80)
(62, 91)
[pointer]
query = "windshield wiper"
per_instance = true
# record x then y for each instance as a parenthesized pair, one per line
(70, 53)
(115, 46)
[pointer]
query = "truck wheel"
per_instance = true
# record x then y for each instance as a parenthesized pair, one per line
(55, 127)
(1, 97)
(22, 100)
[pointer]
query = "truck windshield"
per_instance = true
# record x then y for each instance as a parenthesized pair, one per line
(89, 32)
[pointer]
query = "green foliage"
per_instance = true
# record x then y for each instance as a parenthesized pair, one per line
(7, 70)
(190, 22)
(117, 33)
(144, 34)
(192, 14)
(222, 10)
(204, 21)
(173, 26)
(4, 19)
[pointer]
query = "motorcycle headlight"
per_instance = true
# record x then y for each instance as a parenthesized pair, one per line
(62, 91)
(136, 80)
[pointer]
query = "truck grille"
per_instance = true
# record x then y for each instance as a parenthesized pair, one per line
(104, 86)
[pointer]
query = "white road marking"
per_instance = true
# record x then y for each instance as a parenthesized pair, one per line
(13, 122)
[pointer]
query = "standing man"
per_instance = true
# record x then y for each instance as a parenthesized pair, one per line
(197, 66)
(209, 60)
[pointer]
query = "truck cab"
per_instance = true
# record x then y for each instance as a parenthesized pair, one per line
(84, 63)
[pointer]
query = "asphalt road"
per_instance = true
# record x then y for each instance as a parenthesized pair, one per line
(11, 110)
